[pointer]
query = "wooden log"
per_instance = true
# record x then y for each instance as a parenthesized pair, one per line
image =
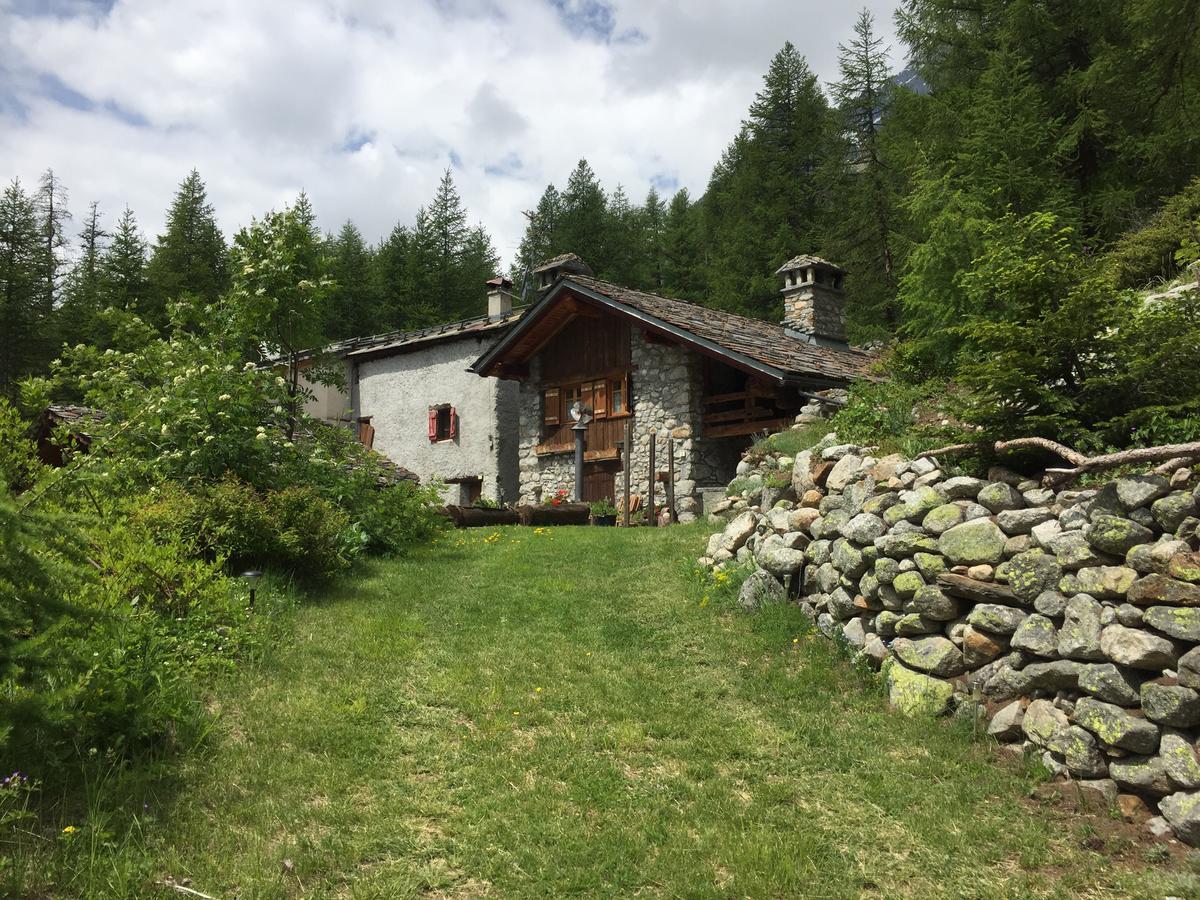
(563, 514)
(651, 519)
(628, 468)
(671, 479)
(480, 517)
(979, 591)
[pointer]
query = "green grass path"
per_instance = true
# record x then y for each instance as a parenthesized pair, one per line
(555, 713)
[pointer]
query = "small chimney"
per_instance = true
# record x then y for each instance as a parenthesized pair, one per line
(499, 297)
(552, 269)
(814, 304)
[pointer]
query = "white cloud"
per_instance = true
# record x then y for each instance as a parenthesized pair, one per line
(363, 104)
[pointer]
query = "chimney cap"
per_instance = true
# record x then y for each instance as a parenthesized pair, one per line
(566, 262)
(804, 261)
(499, 282)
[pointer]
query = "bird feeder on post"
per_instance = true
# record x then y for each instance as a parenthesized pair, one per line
(582, 416)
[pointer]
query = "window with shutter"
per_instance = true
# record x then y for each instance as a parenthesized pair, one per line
(433, 417)
(453, 425)
(551, 414)
(599, 401)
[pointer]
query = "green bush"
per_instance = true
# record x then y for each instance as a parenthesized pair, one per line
(232, 524)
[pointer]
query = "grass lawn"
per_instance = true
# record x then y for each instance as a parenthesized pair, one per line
(521, 713)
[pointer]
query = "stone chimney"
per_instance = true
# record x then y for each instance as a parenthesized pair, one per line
(566, 264)
(499, 297)
(814, 304)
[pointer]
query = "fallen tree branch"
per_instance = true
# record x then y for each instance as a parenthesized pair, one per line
(1074, 457)
(948, 451)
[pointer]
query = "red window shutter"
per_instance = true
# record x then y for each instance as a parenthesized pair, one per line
(433, 425)
(453, 423)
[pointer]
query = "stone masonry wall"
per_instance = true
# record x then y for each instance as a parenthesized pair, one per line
(1071, 617)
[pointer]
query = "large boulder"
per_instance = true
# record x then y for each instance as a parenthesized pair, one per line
(1171, 510)
(1111, 683)
(935, 654)
(1171, 704)
(1143, 774)
(929, 601)
(738, 531)
(1007, 724)
(1023, 521)
(1116, 727)
(1135, 491)
(779, 559)
(902, 546)
(981, 647)
(1178, 755)
(1046, 725)
(1188, 668)
(843, 472)
(1103, 582)
(915, 693)
(1072, 550)
(996, 618)
(1182, 812)
(863, 529)
(1137, 649)
(1176, 621)
(962, 487)
(1036, 635)
(974, 542)
(999, 496)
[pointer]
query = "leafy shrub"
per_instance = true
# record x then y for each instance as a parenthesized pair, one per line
(230, 523)
(19, 464)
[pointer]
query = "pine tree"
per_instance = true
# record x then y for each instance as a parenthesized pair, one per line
(542, 239)
(623, 242)
(124, 284)
(83, 292)
(190, 259)
(652, 220)
(53, 215)
(863, 187)
(22, 287)
(392, 275)
(352, 308)
(683, 275)
(581, 227)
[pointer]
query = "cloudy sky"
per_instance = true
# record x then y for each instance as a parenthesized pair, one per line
(363, 104)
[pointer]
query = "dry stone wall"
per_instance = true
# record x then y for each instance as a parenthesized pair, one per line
(1071, 617)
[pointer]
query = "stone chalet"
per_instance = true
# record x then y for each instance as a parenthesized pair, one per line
(709, 379)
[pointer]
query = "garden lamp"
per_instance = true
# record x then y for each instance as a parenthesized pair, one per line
(582, 416)
(251, 577)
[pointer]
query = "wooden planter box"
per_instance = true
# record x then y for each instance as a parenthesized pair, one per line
(564, 514)
(479, 517)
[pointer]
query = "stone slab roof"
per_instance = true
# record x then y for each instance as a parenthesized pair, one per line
(764, 342)
(804, 261)
(405, 341)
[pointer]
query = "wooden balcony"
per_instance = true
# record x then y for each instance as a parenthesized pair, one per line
(742, 412)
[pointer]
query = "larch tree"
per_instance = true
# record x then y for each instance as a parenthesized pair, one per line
(190, 259)
(22, 286)
(82, 302)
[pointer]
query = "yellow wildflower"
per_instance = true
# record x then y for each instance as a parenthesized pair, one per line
(70, 829)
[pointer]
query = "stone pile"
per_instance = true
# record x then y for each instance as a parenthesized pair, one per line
(1072, 617)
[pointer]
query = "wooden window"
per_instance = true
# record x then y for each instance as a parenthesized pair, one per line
(443, 423)
(551, 414)
(618, 396)
(599, 399)
(572, 394)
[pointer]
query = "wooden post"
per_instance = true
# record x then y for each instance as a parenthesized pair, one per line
(628, 467)
(670, 478)
(651, 519)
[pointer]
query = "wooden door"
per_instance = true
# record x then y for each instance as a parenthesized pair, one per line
(599, 481)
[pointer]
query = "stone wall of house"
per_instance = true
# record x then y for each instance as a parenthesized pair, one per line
(666, 390)
(1070, 618)
(397, 391)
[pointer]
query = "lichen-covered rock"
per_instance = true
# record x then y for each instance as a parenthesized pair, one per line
(1045, 532)
(906, 584)
(943, 518)
(930, 565)
(1137, 649)
(1155, 559)
(1171, 510)
(843, 472)
(1082, 755)
(1116, 727)
(1171, 704)
(1059, 675)
(904, 545)
(971, 543)
(1032, 572)
(1104, 582)
(1177, 621)
(778, 559)
(916, 625)
(847, 559)
(1036, 635)
(760, 589)
(1111, 684)
(1134, 491)
(886, 570)
(1182, 812)
(914, 505)
(980, 647)
(1159, 589)
(874, 650)
(1179, 759)
(1022, 521)
(1144, 774)
(1006, 725)
(885, 623)
(1079, 637)
(854, 634)
(841, 604)
(962, 487)
(932, 603)
(863, 528)
(996, 618)
(1046, 725)
(915, 693)
(1185, 566)
(1116, 536)
(1072, 550)
(934, 654)
(801, 519)
(881, 503)
(1050, 603)
(1188, 669)
(999, 496)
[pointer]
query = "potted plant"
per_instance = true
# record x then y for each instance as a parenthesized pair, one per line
(603, 512)
(484, 512)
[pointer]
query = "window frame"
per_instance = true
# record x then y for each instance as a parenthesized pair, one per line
(557, 399)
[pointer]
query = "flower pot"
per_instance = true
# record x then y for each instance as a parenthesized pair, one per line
(563, 514)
